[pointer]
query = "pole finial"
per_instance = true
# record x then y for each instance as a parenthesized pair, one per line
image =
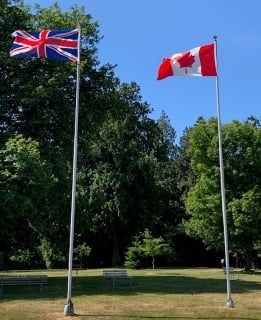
(215, 38)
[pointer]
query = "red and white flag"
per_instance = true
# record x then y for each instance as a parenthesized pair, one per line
(199, 61)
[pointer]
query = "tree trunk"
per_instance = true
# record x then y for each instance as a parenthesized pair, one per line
(247, 261)
(116, 259)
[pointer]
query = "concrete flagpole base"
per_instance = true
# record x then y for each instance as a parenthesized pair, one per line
(68, 309)
(230, 303)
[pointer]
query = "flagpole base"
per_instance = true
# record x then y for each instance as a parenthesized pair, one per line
(68, 309)
(230, 303)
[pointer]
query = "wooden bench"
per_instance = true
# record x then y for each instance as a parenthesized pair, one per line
(23, 280)
(117, 275)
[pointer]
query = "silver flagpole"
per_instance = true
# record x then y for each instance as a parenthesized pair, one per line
(229, 302)
(68, 308)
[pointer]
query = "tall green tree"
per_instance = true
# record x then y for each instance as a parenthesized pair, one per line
(121, 172)
(127, 159)
(170, 211)
(242, 154)
(26, 187)
(37, 100)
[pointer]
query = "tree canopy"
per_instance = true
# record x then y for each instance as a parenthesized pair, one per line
(131, 174)
(242, 154)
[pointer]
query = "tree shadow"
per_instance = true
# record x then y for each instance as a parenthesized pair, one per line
(153, 284)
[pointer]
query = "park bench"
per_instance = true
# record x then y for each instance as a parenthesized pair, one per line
(116, 276)
(23, 280)
(231, 272)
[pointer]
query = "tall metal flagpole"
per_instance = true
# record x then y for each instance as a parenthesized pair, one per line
(68, 308)
(229, 302)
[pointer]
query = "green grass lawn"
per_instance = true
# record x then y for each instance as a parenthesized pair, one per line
(155, 294)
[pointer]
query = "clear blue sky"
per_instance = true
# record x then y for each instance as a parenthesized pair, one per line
(139, 33)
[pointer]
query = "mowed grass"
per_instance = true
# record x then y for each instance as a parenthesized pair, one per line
(155, 294)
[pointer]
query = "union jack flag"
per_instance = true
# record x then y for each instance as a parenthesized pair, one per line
(54, 44)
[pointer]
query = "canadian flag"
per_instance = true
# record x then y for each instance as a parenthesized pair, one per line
(199, 61)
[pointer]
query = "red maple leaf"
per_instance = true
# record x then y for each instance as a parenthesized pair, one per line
(186, 60)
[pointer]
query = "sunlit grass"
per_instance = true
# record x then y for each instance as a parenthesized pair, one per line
(155, 294)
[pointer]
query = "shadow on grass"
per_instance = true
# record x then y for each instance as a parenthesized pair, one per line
(119, 317)
(155, 284)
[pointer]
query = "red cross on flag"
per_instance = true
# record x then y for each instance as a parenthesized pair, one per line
(55, 44)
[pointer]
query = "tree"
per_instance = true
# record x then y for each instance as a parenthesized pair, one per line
(133, 256)
(81, 251)
(120, 175)
(26, 187)
(153, 247)
(126, 174)
(145, 245)
(41, 107)
(170, 209)
(242, 154)
(131, 177)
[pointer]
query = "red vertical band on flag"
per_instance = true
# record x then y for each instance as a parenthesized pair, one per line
(207, 60)
(165, 69)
